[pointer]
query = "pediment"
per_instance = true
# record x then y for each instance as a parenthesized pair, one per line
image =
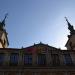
(39, 48)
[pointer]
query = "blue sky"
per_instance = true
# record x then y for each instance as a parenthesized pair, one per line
(32, 21)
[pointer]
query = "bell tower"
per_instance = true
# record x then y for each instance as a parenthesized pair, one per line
(3, 34)
(70, 45)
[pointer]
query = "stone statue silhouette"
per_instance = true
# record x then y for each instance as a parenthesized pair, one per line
(70, 27)
(2, 24)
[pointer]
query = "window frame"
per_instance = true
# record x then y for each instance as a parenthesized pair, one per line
(55, 59)
(68, 60)
(28, 58)
(42, 62)
(12, 60)
(3, 58)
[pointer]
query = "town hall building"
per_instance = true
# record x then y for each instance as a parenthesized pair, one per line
(38, 59)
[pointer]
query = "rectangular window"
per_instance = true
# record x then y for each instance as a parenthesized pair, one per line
(14, 59)
(41, 60)
(55, 59)
(67, 59)
(28, 59)
(1, 58)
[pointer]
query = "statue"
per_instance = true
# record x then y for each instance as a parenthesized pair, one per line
(70, 27)
(2, 24)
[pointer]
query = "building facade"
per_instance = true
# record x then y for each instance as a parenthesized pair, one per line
(38, 59)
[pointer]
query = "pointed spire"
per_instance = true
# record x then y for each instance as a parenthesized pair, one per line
(67, 21)
(70, 27)
(3, 22)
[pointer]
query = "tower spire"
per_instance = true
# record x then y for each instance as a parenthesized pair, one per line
(3, 38)
(67, 21)
(70, 45)
(3, 22)
(70, 27)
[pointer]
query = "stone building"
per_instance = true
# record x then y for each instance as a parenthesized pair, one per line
(38, 59)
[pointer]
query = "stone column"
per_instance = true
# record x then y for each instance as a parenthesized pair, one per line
(48, 58)
(20, 60)
(34, 59)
